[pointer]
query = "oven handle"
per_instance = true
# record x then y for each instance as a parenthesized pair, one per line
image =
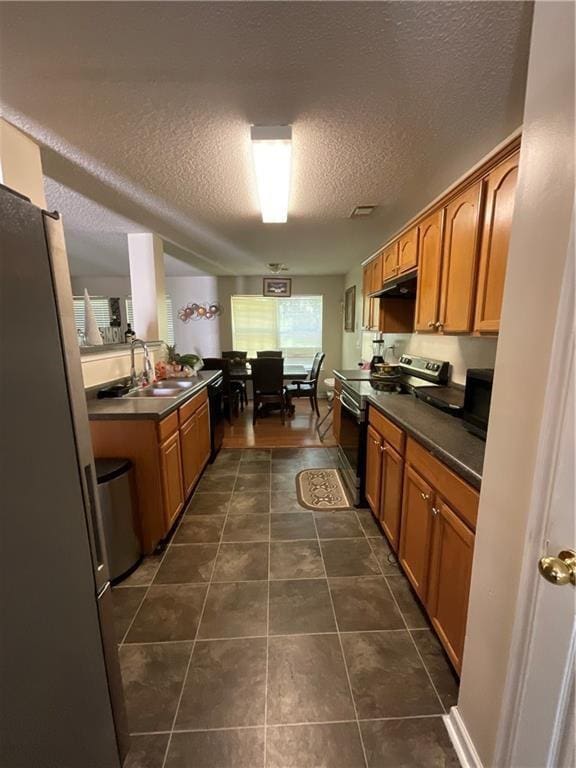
(350, 405)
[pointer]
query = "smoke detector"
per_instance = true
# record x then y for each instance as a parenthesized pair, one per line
(362, 210)
(277, 267)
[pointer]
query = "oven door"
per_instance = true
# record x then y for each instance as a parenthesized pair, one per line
(351, 445)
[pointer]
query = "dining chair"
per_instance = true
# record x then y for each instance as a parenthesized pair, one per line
(268, 384)
(308, 387)
(269, 353)
(238, 359)
(232, 398)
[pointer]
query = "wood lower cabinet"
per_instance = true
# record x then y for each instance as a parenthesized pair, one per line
(172, 478)
(416, 538)
(500, 195)
(168, 458)
(373, 469)
(460, 260)
(449, 581)
(429, 273)
(337, 411)
(392, 474)
(408, 251)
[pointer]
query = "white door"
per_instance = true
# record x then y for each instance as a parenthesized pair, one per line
(540, 732)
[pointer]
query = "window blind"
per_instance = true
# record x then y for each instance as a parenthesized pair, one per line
(101, 306)
(169, 319)
(293, 325)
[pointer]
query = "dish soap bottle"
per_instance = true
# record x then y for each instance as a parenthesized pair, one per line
(129, 334)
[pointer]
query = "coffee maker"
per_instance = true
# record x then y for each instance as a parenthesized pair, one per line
(377, 353)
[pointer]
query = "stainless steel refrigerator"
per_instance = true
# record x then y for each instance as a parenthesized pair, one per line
(61, 703)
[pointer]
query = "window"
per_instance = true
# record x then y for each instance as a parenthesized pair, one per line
(169, 319)
(101, 307)
(293, 325)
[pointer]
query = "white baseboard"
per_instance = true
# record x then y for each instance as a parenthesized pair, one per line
(461, 740)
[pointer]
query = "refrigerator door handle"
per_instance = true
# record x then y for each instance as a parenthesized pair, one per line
(94, 532)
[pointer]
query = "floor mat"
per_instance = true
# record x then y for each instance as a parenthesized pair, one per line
(321, 489)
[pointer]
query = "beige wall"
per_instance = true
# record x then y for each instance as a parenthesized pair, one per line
(538, 249)
(352, 342)
(330, 287)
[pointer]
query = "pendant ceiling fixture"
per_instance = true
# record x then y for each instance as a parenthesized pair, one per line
(272, 152)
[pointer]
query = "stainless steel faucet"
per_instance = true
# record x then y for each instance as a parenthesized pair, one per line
(147, 375)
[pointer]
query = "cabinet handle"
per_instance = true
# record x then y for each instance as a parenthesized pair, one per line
(431, 324)
(435, 511)
(425, 496)
(439, 325)
(382, 448)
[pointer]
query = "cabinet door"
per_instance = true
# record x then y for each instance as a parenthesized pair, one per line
(203, 418)
(416, 533)
(390, 262)
(450, 569)
(366, 301)
(188, 443)
(373, 470)
(500, 195)
(459, 260)
(377, 274)
(172, 485)
(374, 314)
(429, 272)
(336, 416)
(391, 494)
(408, 251)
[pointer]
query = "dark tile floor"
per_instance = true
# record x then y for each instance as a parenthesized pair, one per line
(269, 635)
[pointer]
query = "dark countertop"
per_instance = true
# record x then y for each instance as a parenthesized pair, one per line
(352, 375)
(443, 435)
(156, 408)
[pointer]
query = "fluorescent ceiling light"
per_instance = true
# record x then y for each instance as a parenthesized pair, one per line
(272, 152)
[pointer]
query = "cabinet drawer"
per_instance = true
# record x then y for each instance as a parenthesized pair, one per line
(389, 431)
(167, 427)
(461, 496)
(186, 410)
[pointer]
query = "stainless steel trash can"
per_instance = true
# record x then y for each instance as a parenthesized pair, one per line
(116, 504)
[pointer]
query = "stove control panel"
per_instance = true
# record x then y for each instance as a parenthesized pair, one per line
(425, 368)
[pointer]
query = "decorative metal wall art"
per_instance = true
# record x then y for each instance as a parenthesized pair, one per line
(195, 311)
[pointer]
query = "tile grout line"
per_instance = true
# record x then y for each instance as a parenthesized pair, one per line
(408, 631)
(285, 725)
(186, 673)
(342, 649)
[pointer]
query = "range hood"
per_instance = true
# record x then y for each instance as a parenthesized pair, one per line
(402, 287)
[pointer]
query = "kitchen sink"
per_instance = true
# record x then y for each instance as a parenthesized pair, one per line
(174, 384)
(155, 391)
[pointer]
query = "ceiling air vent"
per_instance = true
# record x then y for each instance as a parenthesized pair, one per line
(361, 211)
(276, 268)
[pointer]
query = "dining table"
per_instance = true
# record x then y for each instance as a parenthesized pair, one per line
(244, 372)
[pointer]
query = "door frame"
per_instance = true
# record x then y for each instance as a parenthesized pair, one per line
(557, 393)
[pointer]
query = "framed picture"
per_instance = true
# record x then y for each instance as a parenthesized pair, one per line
(350, 308)
(277, 286)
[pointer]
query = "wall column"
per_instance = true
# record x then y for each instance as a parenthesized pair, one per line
(21, 164)
(147, 280)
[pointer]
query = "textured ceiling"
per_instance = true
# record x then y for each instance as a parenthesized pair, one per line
(145, 109)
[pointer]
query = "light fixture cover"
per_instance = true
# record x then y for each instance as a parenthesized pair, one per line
(272, 152)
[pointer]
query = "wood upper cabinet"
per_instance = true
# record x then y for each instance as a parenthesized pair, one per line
(460, 260)
(500, 194)
(416, 535)
(172, 481)
(376, 278)
(408, 251)
(390, 262)
(373, 470)
(449, 582)
(429, 272)
(392, 473)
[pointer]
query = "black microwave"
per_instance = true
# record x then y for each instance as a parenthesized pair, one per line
(477, 400)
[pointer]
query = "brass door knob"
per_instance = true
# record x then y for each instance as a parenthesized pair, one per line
(559, 570)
